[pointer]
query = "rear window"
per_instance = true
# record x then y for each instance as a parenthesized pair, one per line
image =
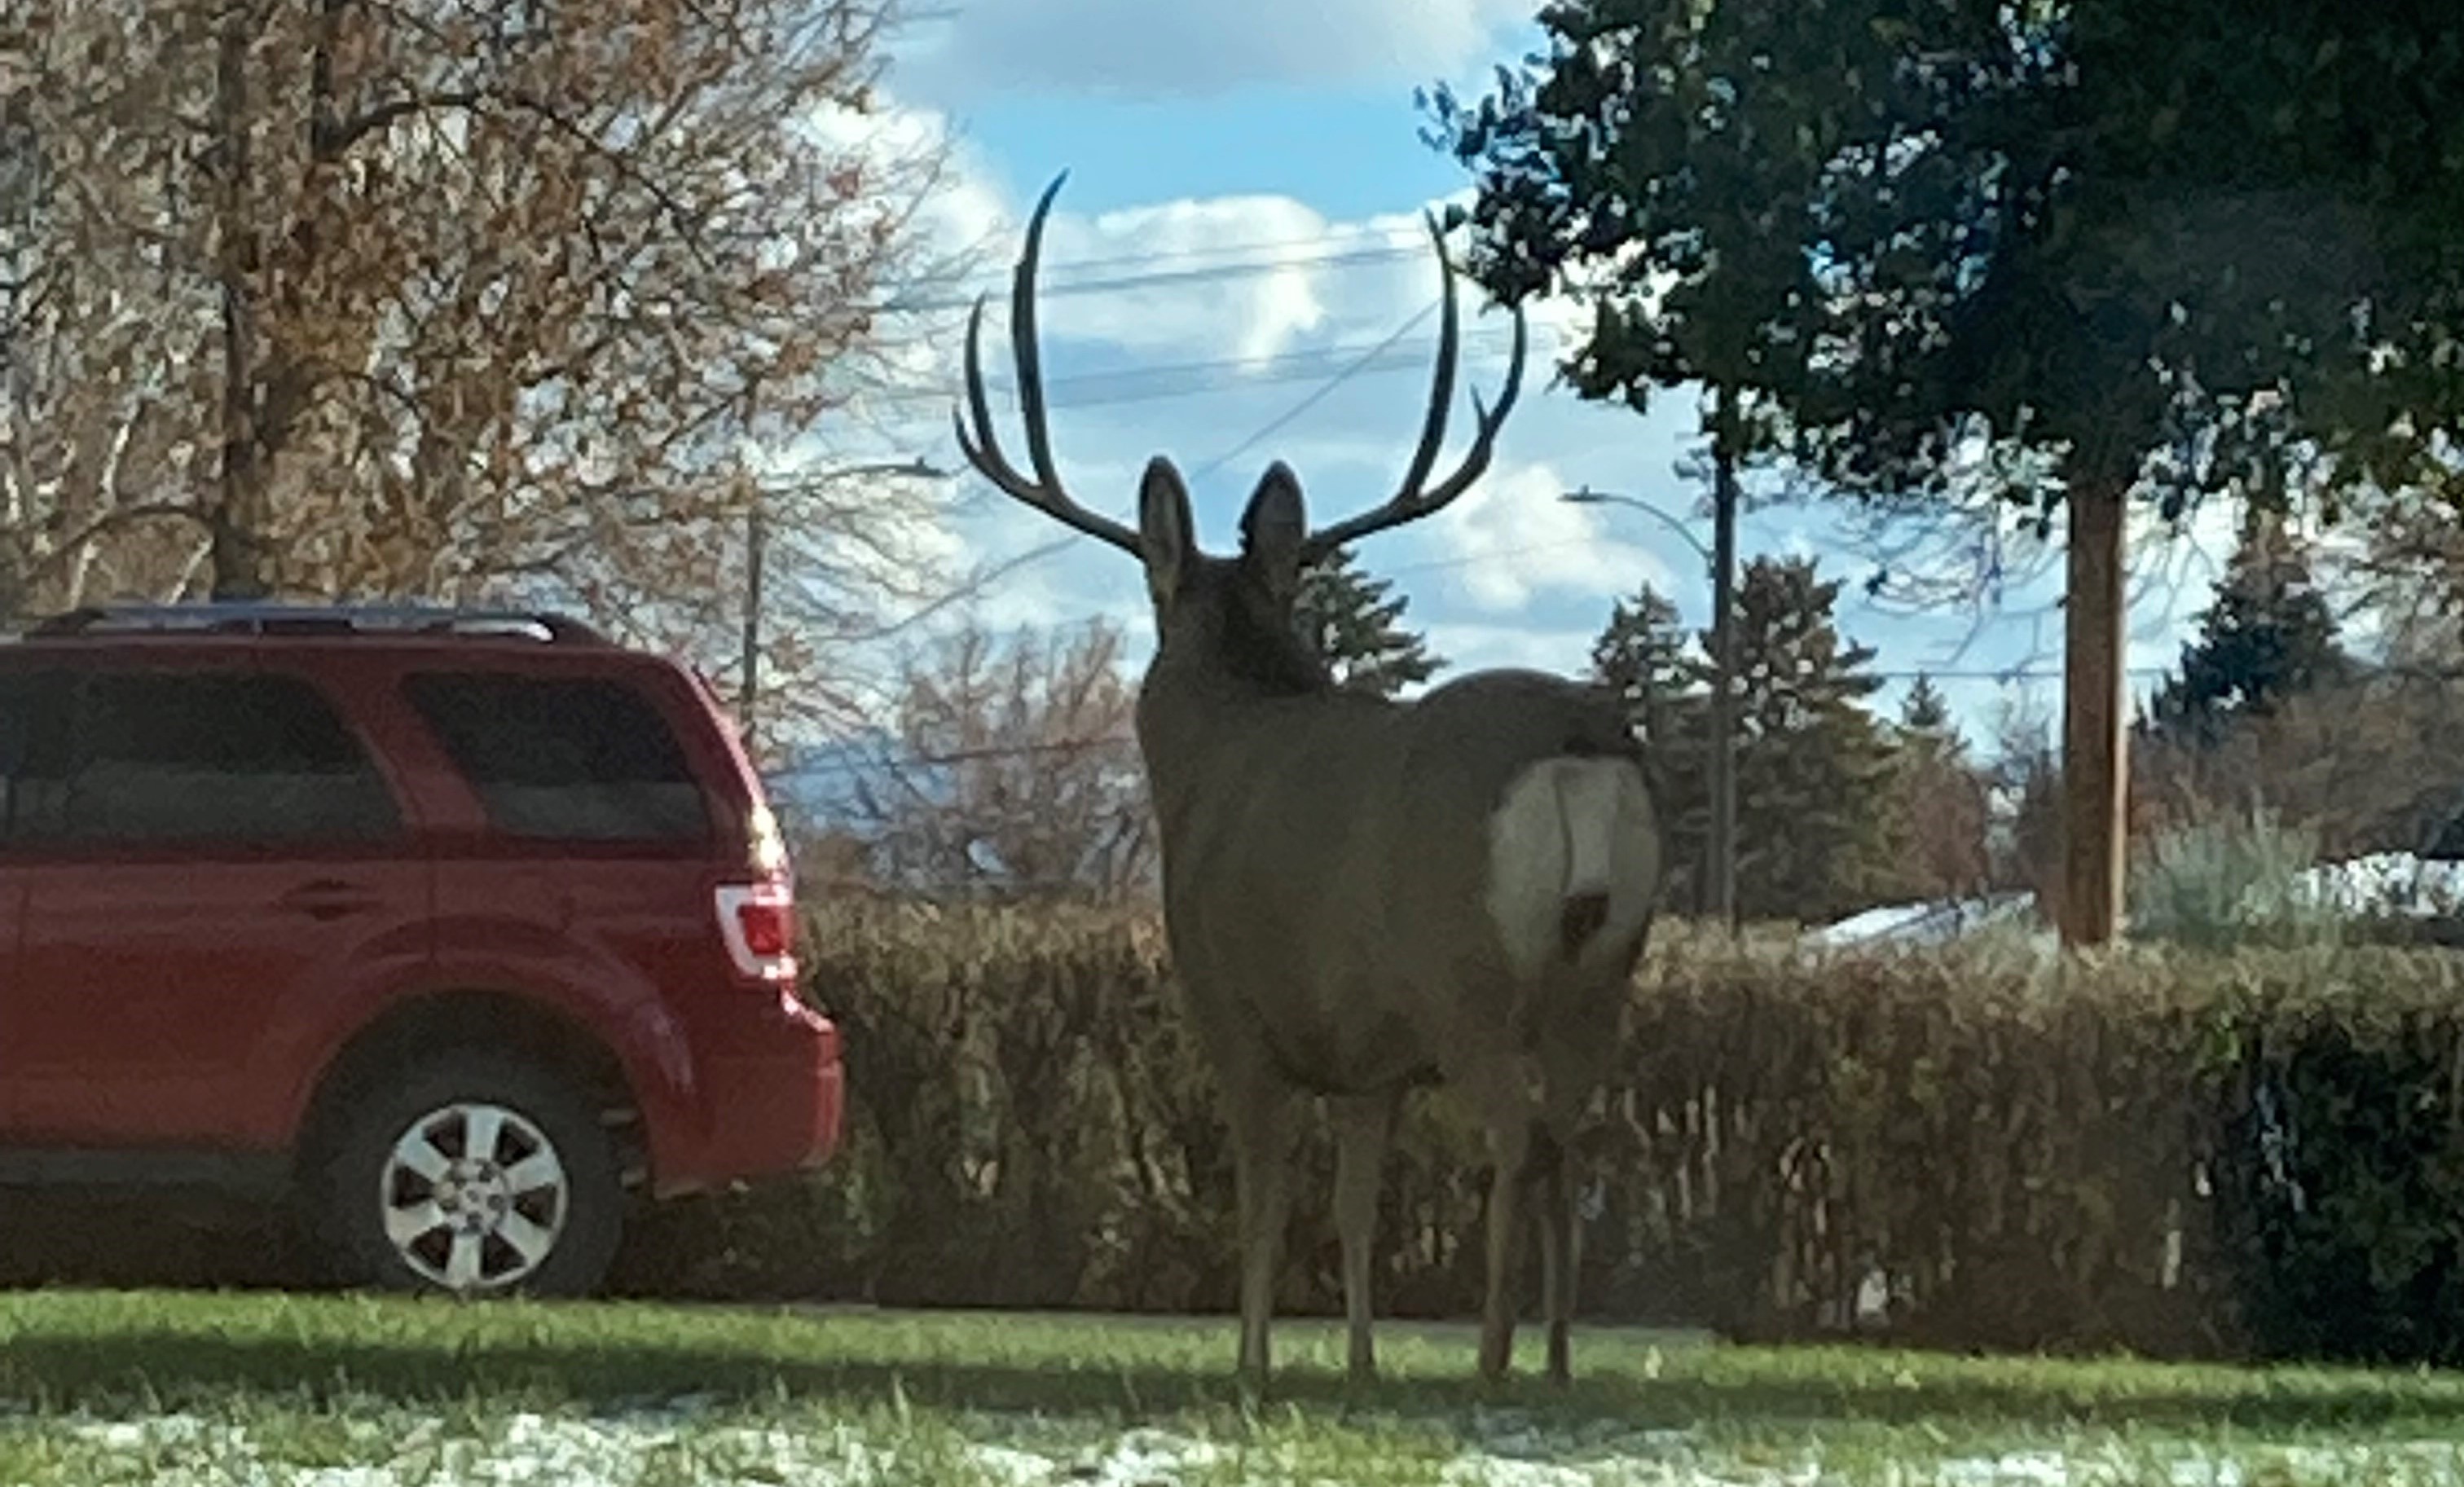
(565, 759)
(195, 757)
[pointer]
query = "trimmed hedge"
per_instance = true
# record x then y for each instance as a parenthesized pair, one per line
(1979, 1146)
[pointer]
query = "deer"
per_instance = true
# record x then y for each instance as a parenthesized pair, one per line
(1363, 896)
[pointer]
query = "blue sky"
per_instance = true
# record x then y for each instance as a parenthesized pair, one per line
(1263, 159)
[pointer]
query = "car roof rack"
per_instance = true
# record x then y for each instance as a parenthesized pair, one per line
(252, 618)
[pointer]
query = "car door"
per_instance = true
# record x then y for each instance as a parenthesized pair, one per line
(213, 841)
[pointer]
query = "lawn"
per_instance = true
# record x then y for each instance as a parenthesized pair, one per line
(341, 1391)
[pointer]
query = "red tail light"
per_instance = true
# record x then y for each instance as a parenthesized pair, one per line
(758, 921)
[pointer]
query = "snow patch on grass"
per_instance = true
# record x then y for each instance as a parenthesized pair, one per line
(685, 1441)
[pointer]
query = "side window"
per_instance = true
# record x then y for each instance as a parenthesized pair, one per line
(17, 693)
(565, 759)
(236, 758)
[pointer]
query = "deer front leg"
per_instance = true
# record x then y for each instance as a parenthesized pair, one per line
(1260, 1111)
(1363, 1126)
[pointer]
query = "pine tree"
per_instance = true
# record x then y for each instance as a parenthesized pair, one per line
(1646, 656)
(2268, 635)
(1925, 713)
(1938, 819)
(1813, 764)
(1346, 615)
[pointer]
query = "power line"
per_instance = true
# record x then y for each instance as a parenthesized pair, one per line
(1348, 372)
(1387, 244)
(1086, 743)
(1220, 374)
(1198, 275)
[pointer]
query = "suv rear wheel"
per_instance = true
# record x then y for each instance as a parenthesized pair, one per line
(479, 1174)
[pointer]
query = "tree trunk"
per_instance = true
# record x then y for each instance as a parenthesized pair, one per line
(234, 523)
(2095, 782)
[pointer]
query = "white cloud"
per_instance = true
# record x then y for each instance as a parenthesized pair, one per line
(1517, 542)
(1470, 646)
(1148, 49)
(1176, 246)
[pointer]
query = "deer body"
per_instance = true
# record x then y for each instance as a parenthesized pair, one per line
(1338, 863)
(1363, 896)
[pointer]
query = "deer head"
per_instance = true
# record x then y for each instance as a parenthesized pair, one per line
(1235, 611)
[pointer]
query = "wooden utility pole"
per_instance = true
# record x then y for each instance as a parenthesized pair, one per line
(757, 541)
(2095, 764)
(757, 559)
(1721, 850)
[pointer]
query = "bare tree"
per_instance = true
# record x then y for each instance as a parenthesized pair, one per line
(532, 301)
(1016, 775)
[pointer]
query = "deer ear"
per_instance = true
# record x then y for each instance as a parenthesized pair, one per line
(1273, 530)
(1164, 529)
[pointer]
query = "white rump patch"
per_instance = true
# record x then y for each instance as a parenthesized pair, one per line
(1570, 828)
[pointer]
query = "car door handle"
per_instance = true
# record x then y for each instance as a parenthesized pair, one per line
(329, 898)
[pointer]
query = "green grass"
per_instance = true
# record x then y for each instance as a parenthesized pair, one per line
(350, 1392)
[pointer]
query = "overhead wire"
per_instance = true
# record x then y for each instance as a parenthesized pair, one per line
(1173, 266)
(1216, 374)
(1065, 287)
(1084, 743)
(1354, 369)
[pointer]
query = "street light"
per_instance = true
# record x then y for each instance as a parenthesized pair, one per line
(1587, 496)
(1719, 849)
(756, 543)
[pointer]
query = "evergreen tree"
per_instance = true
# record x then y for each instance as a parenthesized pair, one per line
(1924, 715)
(2268, 635)
(1346, 615)
(1646, 656)
(1814, 765)
(1939, 818)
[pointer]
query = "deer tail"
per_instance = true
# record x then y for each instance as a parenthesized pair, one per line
(1573, 862)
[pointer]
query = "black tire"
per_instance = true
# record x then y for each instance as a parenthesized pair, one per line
(356, 1178)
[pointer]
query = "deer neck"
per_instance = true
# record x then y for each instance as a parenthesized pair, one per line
(1198, 725)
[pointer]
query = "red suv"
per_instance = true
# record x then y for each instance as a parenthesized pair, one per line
(466, 928)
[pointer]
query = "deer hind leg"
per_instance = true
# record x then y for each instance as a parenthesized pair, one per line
(1363, 1127)
(1578, 1050)
(1509, 1143)
(1555, 1207)
(1500, 1091)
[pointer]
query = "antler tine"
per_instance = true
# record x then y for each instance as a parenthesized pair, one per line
(1413, 500)
(982, 446)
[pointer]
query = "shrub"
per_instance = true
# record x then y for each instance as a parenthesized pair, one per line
(2227, 881)
(1966, 1145)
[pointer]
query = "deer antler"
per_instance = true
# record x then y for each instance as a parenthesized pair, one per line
(981, 447)
(1415, 500)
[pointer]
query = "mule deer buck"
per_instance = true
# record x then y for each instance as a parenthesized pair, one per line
(1363, 896)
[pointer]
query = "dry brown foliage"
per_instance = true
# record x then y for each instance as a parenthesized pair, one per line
(417, 298)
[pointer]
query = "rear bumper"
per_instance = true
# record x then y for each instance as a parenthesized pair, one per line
(773, 1094)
